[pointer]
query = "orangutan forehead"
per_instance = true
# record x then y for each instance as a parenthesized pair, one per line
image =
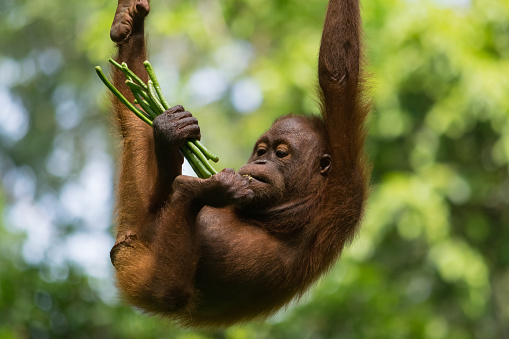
(294, 126)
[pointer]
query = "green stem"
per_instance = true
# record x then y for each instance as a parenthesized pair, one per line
(120, 97)
(150, 97)
(157, 87)
(152, 112)
(202, 172)
(128, 73)
(200, 156)
(143, 93)
(205, 151)
(153, 96)
(136, 90)
(131, 74)
(114, 63)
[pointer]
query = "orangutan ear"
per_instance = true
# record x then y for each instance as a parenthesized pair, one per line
(325, 164)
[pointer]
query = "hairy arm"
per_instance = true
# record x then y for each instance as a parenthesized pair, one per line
(341, 81)
(344, 110)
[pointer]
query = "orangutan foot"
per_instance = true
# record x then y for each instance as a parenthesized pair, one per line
(129, 16)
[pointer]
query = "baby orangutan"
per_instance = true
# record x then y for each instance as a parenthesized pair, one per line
(237, 246)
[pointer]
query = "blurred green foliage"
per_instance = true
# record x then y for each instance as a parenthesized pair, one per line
(432, 258)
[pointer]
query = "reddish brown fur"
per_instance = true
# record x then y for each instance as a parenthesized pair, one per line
(227, 249)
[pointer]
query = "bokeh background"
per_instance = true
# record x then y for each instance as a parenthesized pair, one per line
(432, 258)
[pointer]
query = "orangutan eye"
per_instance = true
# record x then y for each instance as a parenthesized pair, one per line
(281, 153)
(260, 152)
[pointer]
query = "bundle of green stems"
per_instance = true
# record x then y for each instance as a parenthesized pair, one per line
(153, 103)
